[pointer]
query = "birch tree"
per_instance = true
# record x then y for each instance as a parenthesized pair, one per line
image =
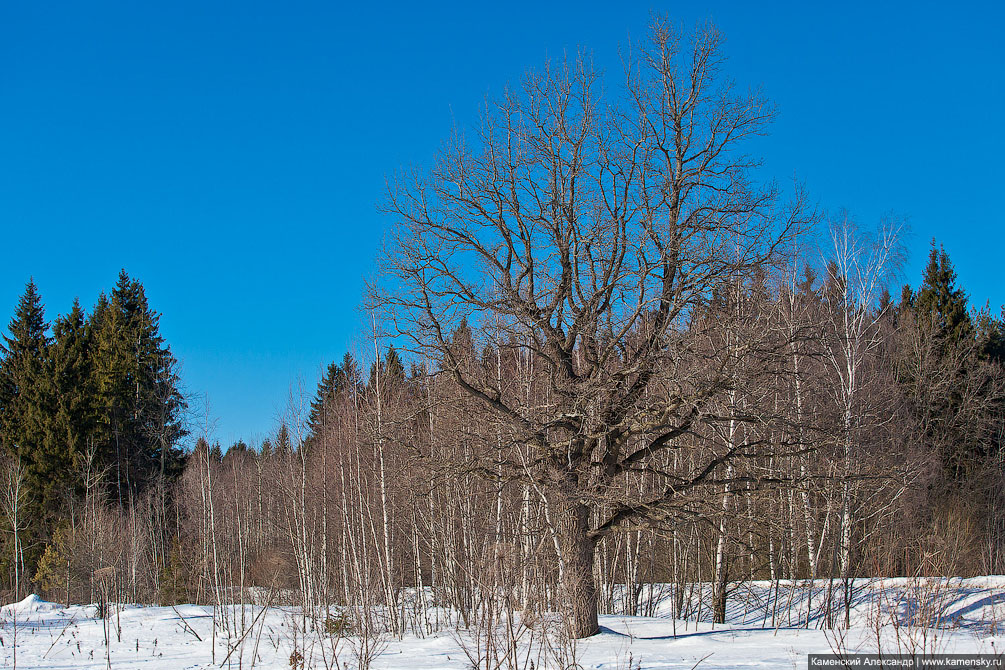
(857, 275)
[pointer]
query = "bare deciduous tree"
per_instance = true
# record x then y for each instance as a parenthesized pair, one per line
(591, 232)
(14, 499)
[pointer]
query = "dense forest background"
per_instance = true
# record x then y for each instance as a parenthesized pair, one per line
(365, 488)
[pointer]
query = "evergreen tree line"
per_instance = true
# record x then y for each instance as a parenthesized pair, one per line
(90, 411)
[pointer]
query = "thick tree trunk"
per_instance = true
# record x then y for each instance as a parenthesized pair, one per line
(578, 587)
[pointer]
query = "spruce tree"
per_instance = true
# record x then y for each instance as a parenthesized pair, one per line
(23, 352)
(24, 409)
(72, 411)
(393, 365)
(137, 386)
(938, 380)
(940, 301)
(391, 368)
(992, 336)
(351, 373)
(283, 446)
(323, 398)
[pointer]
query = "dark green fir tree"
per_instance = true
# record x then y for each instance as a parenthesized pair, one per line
(22, 376)
(939, 377)
(73, 412)
(140, 404)
(25, 412)
(323, 400)
(939, 301)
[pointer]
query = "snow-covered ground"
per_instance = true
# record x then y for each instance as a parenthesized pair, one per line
(767, 628)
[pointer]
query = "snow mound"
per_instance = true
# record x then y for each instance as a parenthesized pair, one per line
(29, 605)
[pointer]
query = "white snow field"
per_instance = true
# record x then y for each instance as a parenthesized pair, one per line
(767, 628)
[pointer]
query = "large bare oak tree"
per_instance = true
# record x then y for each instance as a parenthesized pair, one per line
(591, 229)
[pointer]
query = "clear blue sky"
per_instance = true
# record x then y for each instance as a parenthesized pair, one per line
(230, 154)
